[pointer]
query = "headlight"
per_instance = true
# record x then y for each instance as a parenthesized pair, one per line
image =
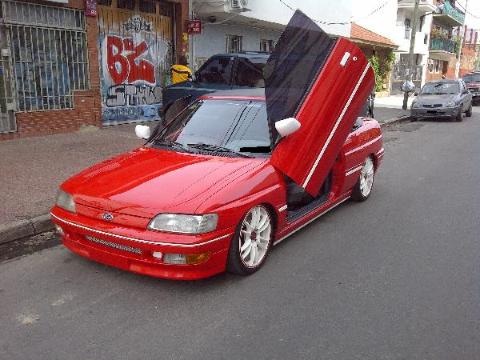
(451, 104)
(65, 201)
(415, 105)
(185, 224)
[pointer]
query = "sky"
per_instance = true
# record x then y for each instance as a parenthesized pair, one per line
(473, 7)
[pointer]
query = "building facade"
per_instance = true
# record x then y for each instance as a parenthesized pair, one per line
(255, 25)
(445, 41)
(64, 65)
(469, 56)
(436, 45)
(422, 40)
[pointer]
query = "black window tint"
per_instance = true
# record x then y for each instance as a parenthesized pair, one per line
(240, 126)
(249, 74)
(294, 65)
(252, 134)
(217, 71)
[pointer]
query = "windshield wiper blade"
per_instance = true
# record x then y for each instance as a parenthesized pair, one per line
(216, 148)
(169, 143)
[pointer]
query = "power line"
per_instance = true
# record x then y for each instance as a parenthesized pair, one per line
(381, 6)
(467, 11)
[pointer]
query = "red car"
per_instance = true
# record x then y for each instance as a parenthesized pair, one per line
(234, 173)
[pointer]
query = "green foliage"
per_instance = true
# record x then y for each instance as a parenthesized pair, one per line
(381, 67)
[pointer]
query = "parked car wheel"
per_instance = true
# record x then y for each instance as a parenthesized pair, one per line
(469, 111)
(252, 242)
(459, 116)
(363, 187)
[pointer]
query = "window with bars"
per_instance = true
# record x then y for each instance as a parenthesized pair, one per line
(48, 54)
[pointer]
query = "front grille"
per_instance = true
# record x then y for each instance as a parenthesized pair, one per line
(432, 105)
(114, 245)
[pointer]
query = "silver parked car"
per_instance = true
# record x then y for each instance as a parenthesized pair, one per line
(442, 99)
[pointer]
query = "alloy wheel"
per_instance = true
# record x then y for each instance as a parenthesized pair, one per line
(366, 177)
(255, 235)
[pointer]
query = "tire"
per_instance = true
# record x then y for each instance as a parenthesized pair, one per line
(249, 231)
(469, 111)
(413, 119)
(363, 188)
(459, 116)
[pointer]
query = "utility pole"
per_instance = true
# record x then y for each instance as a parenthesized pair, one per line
(409, 74)
(460, 47)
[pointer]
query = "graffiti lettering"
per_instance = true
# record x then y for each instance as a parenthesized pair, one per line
(123, 61)
(132, 95)
(137, 24)
(129, 113)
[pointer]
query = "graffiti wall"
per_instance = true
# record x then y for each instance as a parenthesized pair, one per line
(135, 58)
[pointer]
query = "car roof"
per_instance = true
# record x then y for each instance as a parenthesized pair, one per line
(246, 54)
(239, 94)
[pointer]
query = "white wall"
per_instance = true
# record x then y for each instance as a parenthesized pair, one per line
(382, 22)
(323, 10)
(404, 44)
(213, 38)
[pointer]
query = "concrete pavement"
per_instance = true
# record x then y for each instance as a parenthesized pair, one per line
(396, 277)
(33, 168)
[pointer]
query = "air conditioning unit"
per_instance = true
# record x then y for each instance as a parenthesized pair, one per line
(238, 5)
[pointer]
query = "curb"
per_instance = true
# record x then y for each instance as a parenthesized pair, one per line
(25, 228)
(395, 120)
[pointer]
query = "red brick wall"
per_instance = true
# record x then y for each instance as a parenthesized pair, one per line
(87, 103)
(467, 63)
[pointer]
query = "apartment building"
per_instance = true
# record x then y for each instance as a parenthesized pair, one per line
(445, 40)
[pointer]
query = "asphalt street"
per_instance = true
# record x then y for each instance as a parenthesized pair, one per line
(396, 277)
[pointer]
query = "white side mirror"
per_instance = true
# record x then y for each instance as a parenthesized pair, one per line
(287, 126)
(142, 131)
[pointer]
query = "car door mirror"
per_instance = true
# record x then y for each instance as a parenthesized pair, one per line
(287, 126)
(415, 93)
(142, 131)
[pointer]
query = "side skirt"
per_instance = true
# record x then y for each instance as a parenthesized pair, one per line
(276, 242)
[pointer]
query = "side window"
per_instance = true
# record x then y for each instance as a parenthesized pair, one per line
(217, 71)
(248, 74)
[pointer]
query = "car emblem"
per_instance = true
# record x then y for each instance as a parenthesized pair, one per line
(107, 217)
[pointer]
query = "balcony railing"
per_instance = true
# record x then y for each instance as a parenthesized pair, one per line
(443, 45)
(451, 14)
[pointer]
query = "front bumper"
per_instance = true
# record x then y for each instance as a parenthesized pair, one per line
(132, 249)
(435, 112)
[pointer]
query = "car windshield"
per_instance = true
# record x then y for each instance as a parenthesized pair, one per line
(236, 126)
(471, 78)
(440, 88)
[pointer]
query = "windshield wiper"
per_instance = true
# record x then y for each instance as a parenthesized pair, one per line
(169, 143)
(216, 148)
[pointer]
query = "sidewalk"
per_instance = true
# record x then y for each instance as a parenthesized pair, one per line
(33, 168)
(392, 102)
(390, 107)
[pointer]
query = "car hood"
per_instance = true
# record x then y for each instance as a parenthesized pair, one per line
(148, 181)
(436, 99)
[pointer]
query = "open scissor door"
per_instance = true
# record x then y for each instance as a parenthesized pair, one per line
(322, 82)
